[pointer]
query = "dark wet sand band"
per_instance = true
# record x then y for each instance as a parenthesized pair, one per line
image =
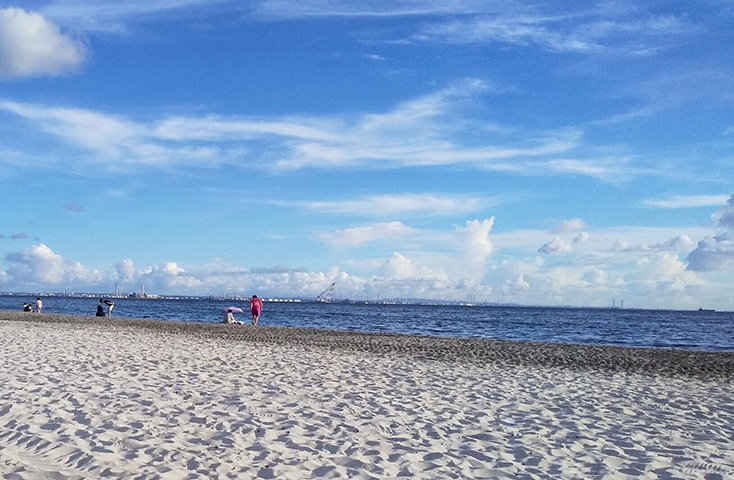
(688, 363)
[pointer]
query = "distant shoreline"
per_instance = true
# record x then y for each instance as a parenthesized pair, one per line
(397, 302)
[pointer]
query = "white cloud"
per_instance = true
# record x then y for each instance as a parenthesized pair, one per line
(519, 283)
(582, 237)
(558, 245)
(653, 279)
(38, 265)
(676, 243)
(548, 26)
(476, 246)
(115, 140)
(369, 8)
(609, 170)
(588, 33)
(30, 45)
(726, 215)
(368, 233)
(418, 132)
(125, 270)
(569, 226)
(170, 277)
(633, 238)
(400, 267)
(687, 201)
(716, 252)
(665, 271)
(112, 16)
(407, 203)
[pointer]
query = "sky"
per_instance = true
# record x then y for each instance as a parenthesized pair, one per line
(556, 153)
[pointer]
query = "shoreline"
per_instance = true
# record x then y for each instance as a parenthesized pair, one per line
(715, 365)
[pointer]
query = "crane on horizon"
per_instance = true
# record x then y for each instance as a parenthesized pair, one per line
(327, 294)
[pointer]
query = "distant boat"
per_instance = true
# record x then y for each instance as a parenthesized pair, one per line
(706, 310)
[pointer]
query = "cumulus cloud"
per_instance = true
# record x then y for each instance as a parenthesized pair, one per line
(170, 277)
(569, 226)
(125, 270)
(677, 243)
(368, 233)
(38, 265)
(582, 237)
(400, 267)
(665, 271)
(517, 284)
(716, 252)
(558, 245)
(476, 246)
(713, 253)
(31, 45)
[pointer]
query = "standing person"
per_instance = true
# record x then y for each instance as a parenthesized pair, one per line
(39, 305)
(256, 306)
(109, 304)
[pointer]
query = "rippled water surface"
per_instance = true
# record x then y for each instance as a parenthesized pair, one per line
(640, 328)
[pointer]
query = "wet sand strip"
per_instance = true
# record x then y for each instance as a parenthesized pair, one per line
(657, 361)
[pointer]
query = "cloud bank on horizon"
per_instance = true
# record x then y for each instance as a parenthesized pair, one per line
(535, 153)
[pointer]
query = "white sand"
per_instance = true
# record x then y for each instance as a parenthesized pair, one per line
(87, 401)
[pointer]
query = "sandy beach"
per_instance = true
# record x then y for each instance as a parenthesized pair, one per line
(87, 398)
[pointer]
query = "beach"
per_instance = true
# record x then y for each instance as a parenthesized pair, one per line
(92, 398)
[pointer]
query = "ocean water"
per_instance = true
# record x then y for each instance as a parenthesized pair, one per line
(635, 328)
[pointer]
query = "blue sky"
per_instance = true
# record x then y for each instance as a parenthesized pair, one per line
(550, 152)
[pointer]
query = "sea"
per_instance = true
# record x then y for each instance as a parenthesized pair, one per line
(691, 330)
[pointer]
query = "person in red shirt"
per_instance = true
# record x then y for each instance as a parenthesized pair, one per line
(256, 306)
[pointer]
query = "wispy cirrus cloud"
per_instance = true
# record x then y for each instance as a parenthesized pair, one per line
(436, 129)
(109, 16)
(432, 204)
(368, 233)
(580, 31)
(277, 9)
(559, 28)
(686, 201)
(606, 169)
